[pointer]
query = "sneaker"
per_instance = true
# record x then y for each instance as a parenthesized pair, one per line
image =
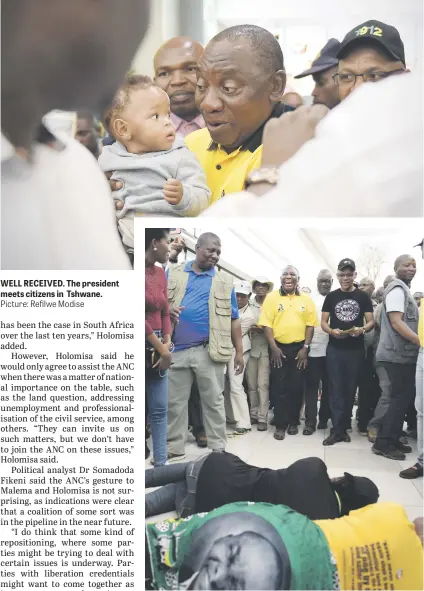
(292, 430)
(241, 431)
(333, 438)
(406, 449)
(279, 434)
(262, 426)
(172, 458)
(322, 425)
(415, 471)
(391, 453)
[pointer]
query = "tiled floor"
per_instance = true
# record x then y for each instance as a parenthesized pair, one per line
(261, 449)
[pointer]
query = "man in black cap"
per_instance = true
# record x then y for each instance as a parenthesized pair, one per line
(370, 52)
(343, 314)
(326, 92)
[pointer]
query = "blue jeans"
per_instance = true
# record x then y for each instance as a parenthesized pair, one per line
(419, 395)
(157, 401)
(172, 482)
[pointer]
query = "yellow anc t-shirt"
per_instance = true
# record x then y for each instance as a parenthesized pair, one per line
(288, 316)
(225, 173)
(376, 548)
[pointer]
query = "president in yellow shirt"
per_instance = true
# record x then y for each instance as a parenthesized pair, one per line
(240, 82)
(288, 318)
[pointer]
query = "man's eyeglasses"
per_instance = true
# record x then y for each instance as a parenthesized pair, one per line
(350, 79)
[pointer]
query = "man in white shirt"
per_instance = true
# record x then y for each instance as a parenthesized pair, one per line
(366, 159)
(56, 208)
(316, 371)
(397, 351)
(236, 406)
(257, 370)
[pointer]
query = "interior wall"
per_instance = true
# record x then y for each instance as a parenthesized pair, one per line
(311, 23)
(164, 24)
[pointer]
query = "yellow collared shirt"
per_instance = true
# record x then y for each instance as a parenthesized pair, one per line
(375, 548)
(288, 316)
(225, 173)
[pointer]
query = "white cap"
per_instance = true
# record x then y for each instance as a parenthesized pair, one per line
(262, 279)
(242, 287)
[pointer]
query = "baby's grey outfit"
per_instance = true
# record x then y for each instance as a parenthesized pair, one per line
(145, 175)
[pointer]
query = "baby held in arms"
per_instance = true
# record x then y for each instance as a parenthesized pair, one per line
(160, 175)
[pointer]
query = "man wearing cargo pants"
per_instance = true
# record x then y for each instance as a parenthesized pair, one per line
(207, 326)
(236, 406)
(257, 372)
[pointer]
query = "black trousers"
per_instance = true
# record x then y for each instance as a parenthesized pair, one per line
(343, 367)
(287, 384)
(316, 372)
(402, 380)
(369, 391)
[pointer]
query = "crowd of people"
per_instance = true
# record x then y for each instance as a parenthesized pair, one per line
(228, 101)
(320, 349)
(243, 349)
(214, 131)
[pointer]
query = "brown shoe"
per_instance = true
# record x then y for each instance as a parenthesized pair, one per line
(262, 427)
(279, 434)
(201, 440)
(372, 435)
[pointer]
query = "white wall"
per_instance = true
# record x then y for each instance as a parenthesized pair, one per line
(322, 20)
(163, 26)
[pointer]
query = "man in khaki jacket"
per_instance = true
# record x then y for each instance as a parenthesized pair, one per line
(207, 327)
(257, 372)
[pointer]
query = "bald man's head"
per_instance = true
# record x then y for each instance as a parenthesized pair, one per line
(405, 268)
(175, 65)
(324, 281)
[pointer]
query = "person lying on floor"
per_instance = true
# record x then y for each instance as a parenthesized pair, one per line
(262, 546)
(216, 479)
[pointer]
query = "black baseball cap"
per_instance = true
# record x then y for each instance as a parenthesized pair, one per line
(327, 58)
(379, 33)
(346, 263)
(421, 245)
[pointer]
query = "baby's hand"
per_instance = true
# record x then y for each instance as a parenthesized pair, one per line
(173, 191)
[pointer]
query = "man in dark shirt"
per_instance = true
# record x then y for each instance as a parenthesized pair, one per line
(343, 316)
(217, 479)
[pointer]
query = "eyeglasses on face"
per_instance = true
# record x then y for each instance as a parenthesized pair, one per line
(350, 79)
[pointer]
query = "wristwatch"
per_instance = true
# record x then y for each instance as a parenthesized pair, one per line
(262, 175)
(307, 347)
